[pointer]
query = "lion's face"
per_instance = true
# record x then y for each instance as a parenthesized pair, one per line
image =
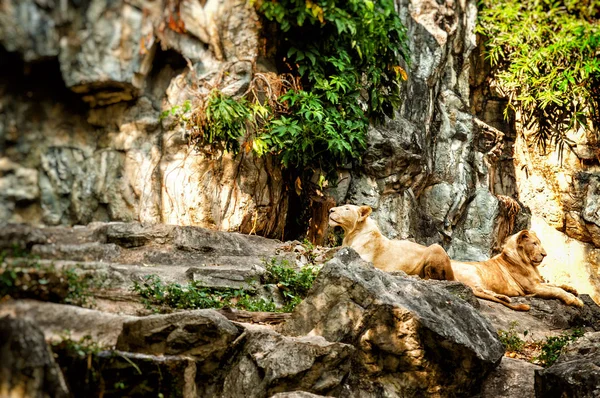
(531, 246)
(527, 246)
(348, 216)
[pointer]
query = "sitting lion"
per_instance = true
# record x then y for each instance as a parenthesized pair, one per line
(362, 234)
(513, 273)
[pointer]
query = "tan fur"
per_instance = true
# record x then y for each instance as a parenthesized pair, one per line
(513, 273)
(363, 235)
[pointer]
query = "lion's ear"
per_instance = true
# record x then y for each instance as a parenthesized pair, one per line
(522, 236)
(364, 212)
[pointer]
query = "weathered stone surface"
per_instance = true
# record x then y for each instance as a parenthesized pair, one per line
(82, 252)
(227, 276)
(576, 373)
(270, 363)
(514, 378)
(412, 338)
(545, 318)
(55, 319)
(202, 334)
(92, 59)
(27, 368)
(29, 28)
(218, 243)
(135, 234)
(296, 394)
(20, 235)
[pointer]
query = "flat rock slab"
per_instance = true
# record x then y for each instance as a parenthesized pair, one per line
(78, 252)
(411, 337)
(55, 319)
(227, 276)
(546, 317)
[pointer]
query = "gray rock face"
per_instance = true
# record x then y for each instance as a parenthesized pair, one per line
(512, 379)
(411, 338)
(271, 363)
(576, 373)
(202, 334)
(27, 368)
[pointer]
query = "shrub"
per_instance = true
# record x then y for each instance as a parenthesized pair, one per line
(544, 55)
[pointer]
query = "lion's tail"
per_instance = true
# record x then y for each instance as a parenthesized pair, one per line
(486, 296)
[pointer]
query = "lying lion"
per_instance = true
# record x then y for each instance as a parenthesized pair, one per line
(362, 234)
(513, 273)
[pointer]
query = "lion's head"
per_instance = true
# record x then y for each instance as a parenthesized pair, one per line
(348, 216)
(526, 246)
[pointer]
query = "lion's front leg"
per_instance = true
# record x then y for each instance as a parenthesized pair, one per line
(550, 292)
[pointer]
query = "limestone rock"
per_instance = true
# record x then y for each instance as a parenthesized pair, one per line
(218, 243)
(82, 252)
(410, 336)
(270, 363)
(296, 394)
(576, 373)
(27, 27)
(53, 319)
(20, 235)
(514, 378)
(202, 334)
(27, 368)
(546, 317)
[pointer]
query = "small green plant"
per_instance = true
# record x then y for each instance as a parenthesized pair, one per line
(510, 338)
(294, 284)
(553, 346)
(84, 347)
(154, 292)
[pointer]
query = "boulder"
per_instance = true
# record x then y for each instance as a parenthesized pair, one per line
(269, 363)
(412, 338)
(204, 335)
(27, 367)
(512, 379)
(576, 373)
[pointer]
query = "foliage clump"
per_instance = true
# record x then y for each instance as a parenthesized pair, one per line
(545, 59)
(553, 346)
(541, 352)
(510, 338)
(339, 66)
(194, 296)
(294, 284)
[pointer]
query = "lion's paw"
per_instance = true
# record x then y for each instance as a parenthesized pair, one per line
(577, 302)
(569, 289)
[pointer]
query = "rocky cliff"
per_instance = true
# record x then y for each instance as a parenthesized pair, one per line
(84, 84)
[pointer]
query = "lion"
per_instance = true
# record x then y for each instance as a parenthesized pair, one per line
(513, 273)
(362, 234)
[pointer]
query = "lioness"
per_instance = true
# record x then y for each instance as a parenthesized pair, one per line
(513, 273)
(362, 234)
